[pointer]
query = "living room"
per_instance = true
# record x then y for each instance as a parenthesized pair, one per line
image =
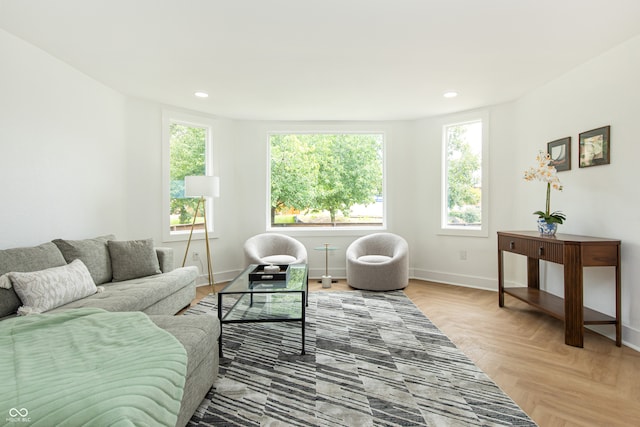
(80, 159)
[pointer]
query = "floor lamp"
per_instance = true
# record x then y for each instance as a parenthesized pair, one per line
(201, 186)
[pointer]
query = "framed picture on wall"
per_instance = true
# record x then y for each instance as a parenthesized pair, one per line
(560, 152)
(595, 147)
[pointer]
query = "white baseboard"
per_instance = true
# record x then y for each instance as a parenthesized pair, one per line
(630, 336)
(336, 273)
(476, 282)
(218, 277)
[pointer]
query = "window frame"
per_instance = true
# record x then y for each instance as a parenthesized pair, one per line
(318, 229)
(170, 117)
(471, 231)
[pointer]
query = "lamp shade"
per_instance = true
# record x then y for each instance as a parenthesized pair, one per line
(202, 186)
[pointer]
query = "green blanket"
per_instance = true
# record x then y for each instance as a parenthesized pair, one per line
(89, 367)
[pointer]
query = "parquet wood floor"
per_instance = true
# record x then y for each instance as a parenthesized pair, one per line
(523, 351)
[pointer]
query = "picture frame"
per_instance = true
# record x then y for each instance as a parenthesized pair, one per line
(595, 147)
(560, 152)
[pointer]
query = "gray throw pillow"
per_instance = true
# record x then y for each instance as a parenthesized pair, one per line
(94, 253)
(132, 259)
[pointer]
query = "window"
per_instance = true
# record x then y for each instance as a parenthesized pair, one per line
(187, 152)
(464, 193)
(326, 180)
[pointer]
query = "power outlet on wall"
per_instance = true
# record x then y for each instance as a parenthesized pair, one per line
(463, 255)
(195, 256)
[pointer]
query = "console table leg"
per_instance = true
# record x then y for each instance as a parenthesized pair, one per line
(500, 279)
(533, 273)
(573, 299)
(618, 303)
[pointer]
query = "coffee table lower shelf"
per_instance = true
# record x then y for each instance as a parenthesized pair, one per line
(266, 300)
(233, 311)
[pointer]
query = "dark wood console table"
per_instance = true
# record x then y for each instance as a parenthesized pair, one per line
(574, 252)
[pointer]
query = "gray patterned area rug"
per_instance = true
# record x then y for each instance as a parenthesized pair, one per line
(372, 359)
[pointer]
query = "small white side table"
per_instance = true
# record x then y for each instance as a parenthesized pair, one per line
(326, 279)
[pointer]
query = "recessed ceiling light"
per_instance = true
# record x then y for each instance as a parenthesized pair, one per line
(201, 94)
(450, 94)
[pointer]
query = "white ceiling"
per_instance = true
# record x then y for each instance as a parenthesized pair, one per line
(323, 59)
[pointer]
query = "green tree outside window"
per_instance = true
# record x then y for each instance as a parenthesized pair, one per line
(463, 174)
(324, 176)
(188, 146)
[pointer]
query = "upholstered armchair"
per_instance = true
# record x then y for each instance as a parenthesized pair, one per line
(378, 262)
(273, 248)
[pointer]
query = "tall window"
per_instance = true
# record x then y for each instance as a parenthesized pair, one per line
(464, 196)
(326, 179)
(187, 153)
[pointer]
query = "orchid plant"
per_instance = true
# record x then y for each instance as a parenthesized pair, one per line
(546, 172)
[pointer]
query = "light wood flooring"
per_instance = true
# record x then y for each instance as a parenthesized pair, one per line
(523, 351)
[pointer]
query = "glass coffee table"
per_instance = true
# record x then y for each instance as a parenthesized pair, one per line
(257, 296)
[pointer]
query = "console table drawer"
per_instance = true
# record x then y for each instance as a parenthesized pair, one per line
(513, 244)
(546, 251)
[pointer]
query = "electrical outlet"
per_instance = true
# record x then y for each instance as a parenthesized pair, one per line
(195, 256)
(463, 255)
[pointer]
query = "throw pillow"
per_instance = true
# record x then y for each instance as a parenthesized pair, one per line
(35, 258)
(132, 259)
(43, 290)
(94, 253)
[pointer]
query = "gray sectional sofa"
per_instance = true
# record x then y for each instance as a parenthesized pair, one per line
(145, 280)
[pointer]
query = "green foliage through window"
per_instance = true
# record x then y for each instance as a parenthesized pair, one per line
(188, 147)
(326, 179)
(463, 173)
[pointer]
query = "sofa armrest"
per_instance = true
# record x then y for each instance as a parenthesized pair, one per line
(165, 259)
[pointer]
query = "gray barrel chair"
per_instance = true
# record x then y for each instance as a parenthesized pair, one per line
(274, 248)
(378, 262)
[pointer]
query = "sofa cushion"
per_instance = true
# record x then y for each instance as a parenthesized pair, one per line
(138, 294)
(33, 258)
(94, 253)
(132, 259)
(198, 334)
(374, 259)
(279, 259)
(43, 290)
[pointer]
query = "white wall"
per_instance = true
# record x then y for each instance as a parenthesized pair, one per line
(251, 179)
(437, 256)
(598, 201)
(62, 150)
(241, 151)
(144, 211)
(78, 159)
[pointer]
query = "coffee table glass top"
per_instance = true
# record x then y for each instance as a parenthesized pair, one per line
(264, 300)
